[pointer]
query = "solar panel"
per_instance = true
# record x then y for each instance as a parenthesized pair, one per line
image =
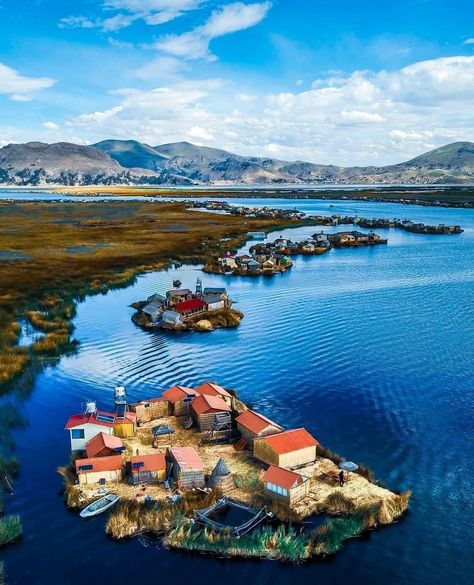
(105, 418)
(85, 467)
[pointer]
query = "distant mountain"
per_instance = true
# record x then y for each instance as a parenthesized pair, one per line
(132, 162)
(132, 154)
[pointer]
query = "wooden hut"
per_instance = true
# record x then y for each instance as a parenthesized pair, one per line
(185, 467)
(221, 478)
(204, 410)
(99, 469)
(253, 425)
(148, 468)
(213, 389)
(287, 449)
(284, 485)
(104, 445)
(179, 398)
(151, 409)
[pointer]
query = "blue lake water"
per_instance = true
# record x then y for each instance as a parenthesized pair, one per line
(370, 349)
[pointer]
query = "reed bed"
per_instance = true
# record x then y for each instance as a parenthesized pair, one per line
(10, 529)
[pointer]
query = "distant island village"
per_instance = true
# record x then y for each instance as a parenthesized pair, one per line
(203, 471)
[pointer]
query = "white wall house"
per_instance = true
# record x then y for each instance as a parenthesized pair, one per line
(84, 427)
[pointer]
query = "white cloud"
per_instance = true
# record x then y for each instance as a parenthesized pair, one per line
(126, 12)
(363, 118)
(20, 87)
(162, 67)
(229, 19)
(469, 41)
(51, 126)
(358, 117)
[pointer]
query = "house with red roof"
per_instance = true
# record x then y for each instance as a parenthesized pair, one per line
(85, 426)
(284, 485)
(179, 398)
(190, 307)
(99, 470)
(104, 445)
(148, 468)
(213, 389)
(206, 409)
(185, 467)
(253, 425)
(289, 449)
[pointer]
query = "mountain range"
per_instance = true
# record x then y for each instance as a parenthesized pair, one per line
(130, 162)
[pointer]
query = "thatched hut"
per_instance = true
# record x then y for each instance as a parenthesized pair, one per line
(221, 477)
(151, 409)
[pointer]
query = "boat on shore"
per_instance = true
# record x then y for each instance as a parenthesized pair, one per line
(99, 506)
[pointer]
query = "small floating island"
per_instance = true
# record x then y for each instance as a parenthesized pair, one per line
(202, 471)
(270, 258)
(180, 309)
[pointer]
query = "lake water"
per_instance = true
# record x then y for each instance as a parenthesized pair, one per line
(370, 349)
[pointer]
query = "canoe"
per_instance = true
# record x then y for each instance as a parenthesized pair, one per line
(99, 506)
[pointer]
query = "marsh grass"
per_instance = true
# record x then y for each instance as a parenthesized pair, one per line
(10, 529)
(71, 493)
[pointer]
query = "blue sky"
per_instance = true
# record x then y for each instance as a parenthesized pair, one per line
(332, 82)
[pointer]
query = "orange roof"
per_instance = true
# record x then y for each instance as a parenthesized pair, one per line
(290, 441)
(255, 422)
(282, 477)
(95, 464)
(212, 389)
(102, 441)
(204, 403)
(153, 462)
(176, 393)
(187, 457)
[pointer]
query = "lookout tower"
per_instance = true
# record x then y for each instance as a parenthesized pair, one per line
(120, 399)
(198, 287)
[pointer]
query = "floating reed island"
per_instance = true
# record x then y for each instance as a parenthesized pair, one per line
(401, 224)
(204, 472)
(180, 309)
(270, 258)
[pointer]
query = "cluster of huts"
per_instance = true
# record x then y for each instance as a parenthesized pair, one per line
(354, 238)
(96, 440)
(317, 244)
(261, 259)
(177, 305)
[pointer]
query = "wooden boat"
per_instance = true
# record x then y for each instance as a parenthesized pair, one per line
(99, 506)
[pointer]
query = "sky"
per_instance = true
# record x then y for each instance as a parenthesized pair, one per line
(332, 82)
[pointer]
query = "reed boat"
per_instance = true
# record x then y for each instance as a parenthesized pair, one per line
(99, 506)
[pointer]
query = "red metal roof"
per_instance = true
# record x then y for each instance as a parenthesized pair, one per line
(204, 403)
(282, 477)
(152, 462)
(187, 457)
(112, 463)
(102, 441)
(77, 420)
(290, 441)
(190, 305)
(212, 389)
(255, 422)
(176, 393)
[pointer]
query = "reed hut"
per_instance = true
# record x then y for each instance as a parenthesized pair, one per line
(213, 389)
(204, 410)
(253, 425)
(288, 449)
(185, 467)
(179, 398)
(284, 485)
(104, 445)
(148, 468)
(99, 470)
(151, 409)
(221, 478)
